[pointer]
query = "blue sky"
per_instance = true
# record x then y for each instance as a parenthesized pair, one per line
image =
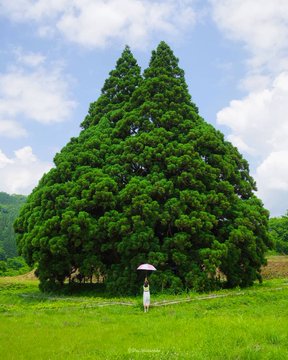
(55, 56)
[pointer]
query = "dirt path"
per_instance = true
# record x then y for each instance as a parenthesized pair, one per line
(277, 267)
(92, 304)
(174, 302)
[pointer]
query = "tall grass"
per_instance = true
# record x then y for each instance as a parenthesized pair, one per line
(242, 324)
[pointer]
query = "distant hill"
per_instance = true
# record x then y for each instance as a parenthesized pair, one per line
(9, 209)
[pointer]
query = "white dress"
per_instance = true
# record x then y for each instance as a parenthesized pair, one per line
(146, 296)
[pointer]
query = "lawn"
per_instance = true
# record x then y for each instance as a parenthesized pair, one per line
(236, 324)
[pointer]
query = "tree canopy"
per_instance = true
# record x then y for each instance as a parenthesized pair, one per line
(278, 227)
(146, 180)
(9, 210)
(10, 263)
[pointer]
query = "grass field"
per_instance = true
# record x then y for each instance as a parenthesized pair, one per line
(236, 324)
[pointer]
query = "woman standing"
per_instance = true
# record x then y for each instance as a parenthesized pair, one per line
(146, 295)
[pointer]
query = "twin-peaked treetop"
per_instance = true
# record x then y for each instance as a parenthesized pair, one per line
(147, 180)
(117, 89)
(162, 100)
(167, 78)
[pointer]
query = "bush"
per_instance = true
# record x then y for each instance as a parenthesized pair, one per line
(13, 267)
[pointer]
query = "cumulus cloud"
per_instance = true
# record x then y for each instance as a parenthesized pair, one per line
(27, 10)
(4, 160)
(31, 90)
(39, 95)
(11, 129)
(258, 122)
(274, 169)
(21, 173)
(29, 58)
(272, 180)
(97, 23)
(261, 26)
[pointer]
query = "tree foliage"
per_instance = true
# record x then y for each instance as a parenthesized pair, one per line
(9, 210)
(147, 180)
(10, 262)
(13, 266)
(278, 227)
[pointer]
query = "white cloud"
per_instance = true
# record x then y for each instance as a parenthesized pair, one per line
(38, 92)
(272, 180)
(259, 127)
(97, 23)
(4, 160)
(39, 95)
(240, 144)
(273, 172)
(31, 10)
(260, 119)
(255, 82)
(21, 173)
(31, 59)
(25, 155)
(258, 122)
(244, 19)
(260, 25)
(11, 129)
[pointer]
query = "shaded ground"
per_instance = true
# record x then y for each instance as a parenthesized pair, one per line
(277, 267)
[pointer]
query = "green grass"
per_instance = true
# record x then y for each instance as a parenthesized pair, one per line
(242, 324)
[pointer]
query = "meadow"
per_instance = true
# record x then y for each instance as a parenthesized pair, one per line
(245, 324)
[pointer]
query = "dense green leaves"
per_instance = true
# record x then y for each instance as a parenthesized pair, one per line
(10, 262)
(116, 92)
(147, 180)
(279, 233)
(9, 210)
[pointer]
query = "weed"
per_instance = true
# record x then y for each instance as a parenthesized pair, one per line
(229, 324)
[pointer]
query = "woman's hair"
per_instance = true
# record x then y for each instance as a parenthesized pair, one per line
(146, 283)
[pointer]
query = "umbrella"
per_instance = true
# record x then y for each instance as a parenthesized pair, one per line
(147, 267)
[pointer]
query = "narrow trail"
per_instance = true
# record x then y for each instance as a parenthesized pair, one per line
(207, 297)
(91, 304)
(130, 303)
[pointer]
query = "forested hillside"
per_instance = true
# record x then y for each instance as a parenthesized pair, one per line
(9, 209)
(10, 262)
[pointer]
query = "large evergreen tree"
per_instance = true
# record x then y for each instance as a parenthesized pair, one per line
(147, 180)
